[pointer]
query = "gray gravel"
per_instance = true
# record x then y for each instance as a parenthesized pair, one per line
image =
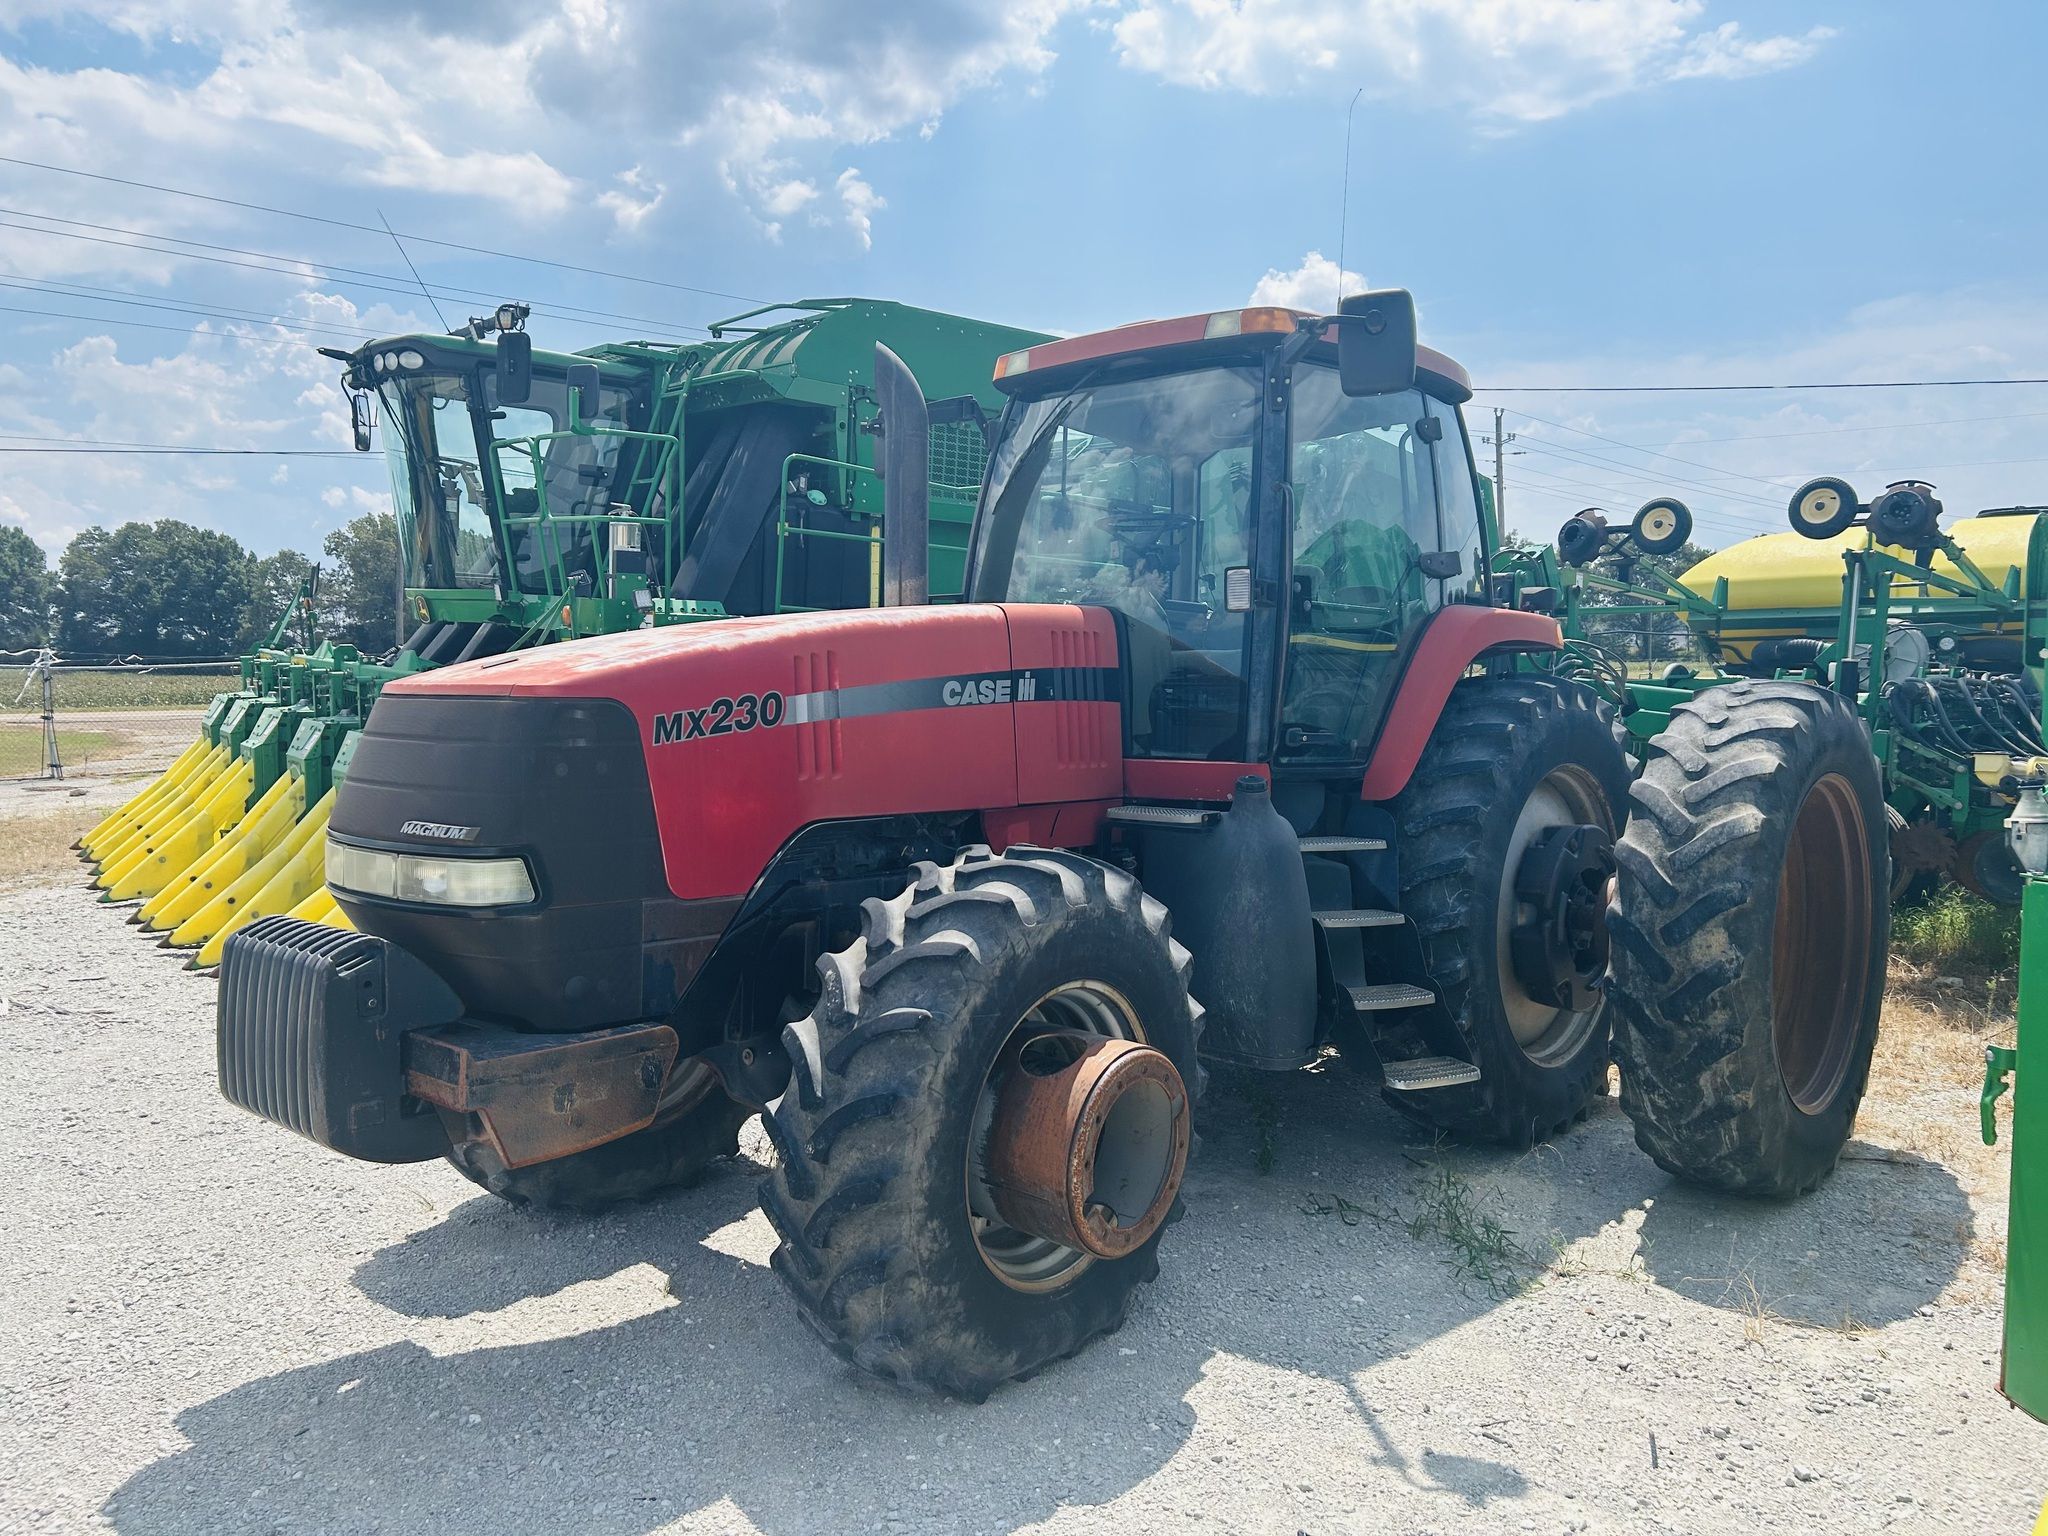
(212, 1326)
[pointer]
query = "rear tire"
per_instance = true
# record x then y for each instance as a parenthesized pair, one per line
(1501, 743)
(670, 1154)
(875, 1137)
(1750, 933)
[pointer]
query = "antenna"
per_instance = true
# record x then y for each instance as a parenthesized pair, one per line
(1344, 199)
(442, 320)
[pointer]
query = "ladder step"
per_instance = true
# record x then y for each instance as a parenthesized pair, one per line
(1161, 816)
(1342, 844)
(1361, 917)
(1429, 1072)
(1390, 994)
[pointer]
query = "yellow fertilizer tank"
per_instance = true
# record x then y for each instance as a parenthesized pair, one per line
(1794, 584)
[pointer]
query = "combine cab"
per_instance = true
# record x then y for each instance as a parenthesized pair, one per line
(1228, 753)
(543, 497)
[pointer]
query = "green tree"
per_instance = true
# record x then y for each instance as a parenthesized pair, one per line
(27, 591)
(274, 582)
(359, 583)
(152, 589)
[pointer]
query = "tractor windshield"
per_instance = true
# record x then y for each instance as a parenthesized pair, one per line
(461, 508)
(1135, 495)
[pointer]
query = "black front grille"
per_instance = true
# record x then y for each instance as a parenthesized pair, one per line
(560, 782)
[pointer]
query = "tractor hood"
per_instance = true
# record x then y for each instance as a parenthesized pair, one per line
(752, 729)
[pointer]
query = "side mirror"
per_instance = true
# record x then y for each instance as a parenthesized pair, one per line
(1376, 342)
(362, 416)
(515, 368)
(584, 382)
(904, 461)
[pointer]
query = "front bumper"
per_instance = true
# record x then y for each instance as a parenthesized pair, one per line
(357, 1045)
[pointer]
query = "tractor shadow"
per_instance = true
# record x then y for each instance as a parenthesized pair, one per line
(1303, 1277)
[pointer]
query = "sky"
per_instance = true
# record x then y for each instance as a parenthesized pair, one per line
(1578, 192)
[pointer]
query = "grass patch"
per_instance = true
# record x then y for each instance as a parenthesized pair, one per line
(21, 749)
(89, 689)
(1954, 931)
(39, 846)
(1482, 1248)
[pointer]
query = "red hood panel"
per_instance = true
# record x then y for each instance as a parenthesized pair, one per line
(754, 728)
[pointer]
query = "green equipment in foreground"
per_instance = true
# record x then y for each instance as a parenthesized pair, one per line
(1943, 659)
(544, 496)
(2024, 1376)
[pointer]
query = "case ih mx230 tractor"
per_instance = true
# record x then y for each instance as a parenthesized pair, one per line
(1234, 750)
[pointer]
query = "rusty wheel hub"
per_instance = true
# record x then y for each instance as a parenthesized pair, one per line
(1088, 1142)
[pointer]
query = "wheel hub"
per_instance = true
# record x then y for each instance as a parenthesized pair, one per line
(1560, 955)
(1089, 1141)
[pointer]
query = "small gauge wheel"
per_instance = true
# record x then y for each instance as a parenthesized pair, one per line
(1580, 540)
(1823, 508)
(1661, 526)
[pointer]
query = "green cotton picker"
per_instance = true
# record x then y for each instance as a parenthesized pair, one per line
(547, 496)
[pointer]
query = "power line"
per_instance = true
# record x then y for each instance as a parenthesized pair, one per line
(1586, 458)
(242, 316)
(144, 325)
(299, 267)
(314, 218)
(1713, 469)
(261, 453)
(1704, 389)
(1883, 426)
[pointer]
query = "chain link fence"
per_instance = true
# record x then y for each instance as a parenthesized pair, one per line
(61, 719)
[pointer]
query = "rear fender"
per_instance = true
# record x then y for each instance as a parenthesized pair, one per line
(1451, 642)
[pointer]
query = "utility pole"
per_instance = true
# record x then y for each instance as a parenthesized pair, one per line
(1500, 440)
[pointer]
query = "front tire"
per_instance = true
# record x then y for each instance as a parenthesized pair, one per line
(1510, 757)
(877, 1138)
(1750, 932)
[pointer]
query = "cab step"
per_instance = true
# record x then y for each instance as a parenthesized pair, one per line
(1360, 917)
(1423, 1072)
(1390, 994)
(1343, 844)
(1160, 816)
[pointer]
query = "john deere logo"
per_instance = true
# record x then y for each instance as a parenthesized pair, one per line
(439, 831)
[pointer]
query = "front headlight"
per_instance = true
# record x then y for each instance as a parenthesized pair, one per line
(431, 878)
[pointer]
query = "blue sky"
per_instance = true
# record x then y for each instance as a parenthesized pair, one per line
(1578, 192)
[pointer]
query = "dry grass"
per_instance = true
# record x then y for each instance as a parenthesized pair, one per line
(35, 847)
(1922, 1102)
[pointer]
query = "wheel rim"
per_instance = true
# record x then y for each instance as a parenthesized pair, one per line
(1820, 949)
(1567, 796)
(1818, 505)
(1018, 1259)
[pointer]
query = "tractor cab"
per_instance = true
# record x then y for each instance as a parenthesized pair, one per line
(1271, 545)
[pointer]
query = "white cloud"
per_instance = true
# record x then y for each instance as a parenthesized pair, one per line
(1312, 286)
(858, 203)
(635, 196)
(1506, 62)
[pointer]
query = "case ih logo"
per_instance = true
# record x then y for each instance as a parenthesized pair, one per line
(438, 831)
(752, 712)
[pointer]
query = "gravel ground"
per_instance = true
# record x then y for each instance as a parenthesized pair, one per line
(212, 1326)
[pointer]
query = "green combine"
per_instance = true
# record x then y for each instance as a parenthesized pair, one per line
(545, 496)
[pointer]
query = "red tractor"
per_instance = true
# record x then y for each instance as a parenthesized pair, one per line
(1236, 750)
